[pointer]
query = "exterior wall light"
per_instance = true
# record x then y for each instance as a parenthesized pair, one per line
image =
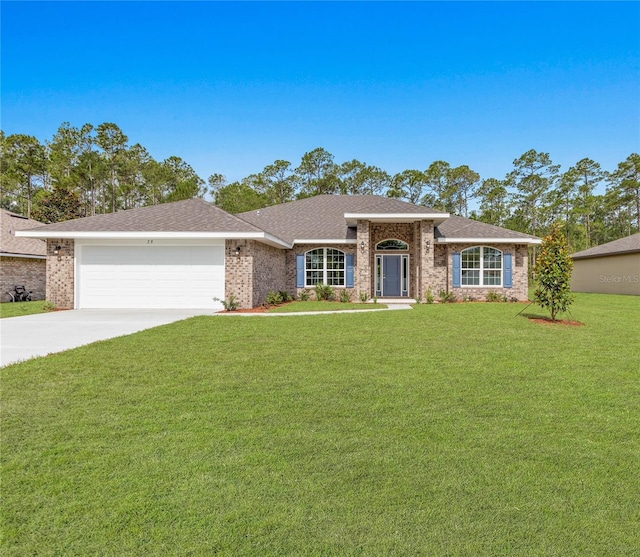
(362, 246)
(427, 245)
(237, 252)
(56, 250)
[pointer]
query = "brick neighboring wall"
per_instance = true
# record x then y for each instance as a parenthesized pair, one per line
(23, 271)
(254, 272)
(60, 273)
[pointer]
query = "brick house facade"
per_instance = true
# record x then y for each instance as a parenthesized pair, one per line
(367, 245)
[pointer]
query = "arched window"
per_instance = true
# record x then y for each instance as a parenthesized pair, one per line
(324, 266)
(481, 266)
(392, 245)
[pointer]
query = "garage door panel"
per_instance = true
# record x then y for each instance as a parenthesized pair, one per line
(150, 276)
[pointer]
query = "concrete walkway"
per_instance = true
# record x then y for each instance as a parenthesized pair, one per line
(390, 307)
(22, 338)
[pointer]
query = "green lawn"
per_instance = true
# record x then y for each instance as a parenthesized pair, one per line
(454, 430)
(16, 309)
(313, 305)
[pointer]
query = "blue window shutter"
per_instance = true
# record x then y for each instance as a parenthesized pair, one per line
(507, 273)
(349, 261)
(299, 271)
(456, 270)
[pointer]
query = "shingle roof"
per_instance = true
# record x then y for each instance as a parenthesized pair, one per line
(190, 215)
(9, 244)
(315, 218)
(459, 227)
(630, 244)
(322, 217)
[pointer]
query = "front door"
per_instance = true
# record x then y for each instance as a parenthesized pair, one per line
(391, 275)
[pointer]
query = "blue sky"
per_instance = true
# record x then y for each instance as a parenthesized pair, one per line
(231, 87)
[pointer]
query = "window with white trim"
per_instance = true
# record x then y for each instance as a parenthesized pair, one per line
(324, 266)
(481, 266)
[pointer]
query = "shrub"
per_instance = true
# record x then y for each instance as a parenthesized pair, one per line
(229, 305)
(493, 296)
(286, 297)
(345, 296)
(324, 292)
(48, 306)
(446, 297)
(273, 298)
(429, 297)
(304, 295)
(364, 296)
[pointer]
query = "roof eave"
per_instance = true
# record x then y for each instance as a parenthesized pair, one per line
(133, 235)
(530, 241)
(353, 218)
(326, 241)
(608, 254)
(22, 255)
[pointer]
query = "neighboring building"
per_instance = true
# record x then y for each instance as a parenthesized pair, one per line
(611, 268)
(22, 260)
(187, 253)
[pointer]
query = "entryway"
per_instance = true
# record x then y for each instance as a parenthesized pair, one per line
(392, 275)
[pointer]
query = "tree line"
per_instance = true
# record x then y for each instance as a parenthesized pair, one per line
(92, 170)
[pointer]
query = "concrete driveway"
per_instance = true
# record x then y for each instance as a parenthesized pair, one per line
(29, 336)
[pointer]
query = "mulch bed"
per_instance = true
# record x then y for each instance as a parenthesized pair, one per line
(549, 321)
(249, 310)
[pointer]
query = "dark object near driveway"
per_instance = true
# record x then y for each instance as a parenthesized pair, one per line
(20, 294)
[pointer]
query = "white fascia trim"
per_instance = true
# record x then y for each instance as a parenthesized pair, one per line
(483, 241)
(23, 256)
(102, 235)
(397, 216)
(328, 241)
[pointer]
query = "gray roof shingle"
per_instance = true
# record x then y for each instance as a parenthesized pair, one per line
(10, 244)
(630, 244)
(459, 227)
(315, 218)
(190, 215)
(322, 217)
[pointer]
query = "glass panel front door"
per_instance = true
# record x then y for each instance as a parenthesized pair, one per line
(391, 277)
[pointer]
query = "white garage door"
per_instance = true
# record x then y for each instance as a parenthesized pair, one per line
(150, 276)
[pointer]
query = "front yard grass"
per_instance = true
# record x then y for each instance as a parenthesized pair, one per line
(17, 309)
(455, 429)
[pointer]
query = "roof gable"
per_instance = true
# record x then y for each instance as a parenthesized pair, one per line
(322, 217)
(10, 244)
(460, 229)
(190, 215)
